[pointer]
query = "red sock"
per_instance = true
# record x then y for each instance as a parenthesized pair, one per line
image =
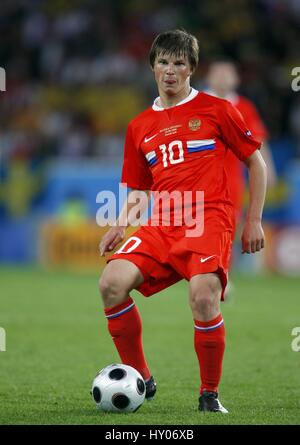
(125, 327)
(209, 342)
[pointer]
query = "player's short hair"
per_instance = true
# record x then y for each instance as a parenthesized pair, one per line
(177, 42)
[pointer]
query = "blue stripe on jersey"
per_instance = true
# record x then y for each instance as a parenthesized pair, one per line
(152, 161)
(201, 148)
(151, 157)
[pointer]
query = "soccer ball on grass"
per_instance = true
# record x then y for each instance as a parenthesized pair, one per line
(118, 388)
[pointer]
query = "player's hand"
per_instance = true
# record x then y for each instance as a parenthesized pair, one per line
(111, 239)
(253, 238)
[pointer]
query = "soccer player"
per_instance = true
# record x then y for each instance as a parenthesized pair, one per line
(179, 144)
(222, 81)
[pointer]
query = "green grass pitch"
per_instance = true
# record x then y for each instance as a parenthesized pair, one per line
(56, 341)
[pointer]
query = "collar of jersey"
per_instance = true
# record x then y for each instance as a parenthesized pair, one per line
(191, 96)
(231, 97)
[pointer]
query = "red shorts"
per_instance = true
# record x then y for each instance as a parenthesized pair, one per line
(164, 255)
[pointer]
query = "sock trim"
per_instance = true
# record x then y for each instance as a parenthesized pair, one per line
(123, 311)
(209, 328)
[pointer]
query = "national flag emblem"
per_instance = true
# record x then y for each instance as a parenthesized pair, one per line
(200, 145)
(151, 158)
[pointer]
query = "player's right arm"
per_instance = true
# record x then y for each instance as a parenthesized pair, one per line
(127, 216)
(137, 176)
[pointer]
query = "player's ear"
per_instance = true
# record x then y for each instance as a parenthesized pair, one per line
(192, 70)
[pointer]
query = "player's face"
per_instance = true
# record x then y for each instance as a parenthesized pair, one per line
(172, 74)
(222, 78)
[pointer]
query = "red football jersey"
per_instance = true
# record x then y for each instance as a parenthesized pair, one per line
(233, 167)
(183, 148)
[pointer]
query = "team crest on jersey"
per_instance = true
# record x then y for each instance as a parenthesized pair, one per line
(194, 124)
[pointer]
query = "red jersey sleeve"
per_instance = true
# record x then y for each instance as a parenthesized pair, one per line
(135, 170)
(235, 133)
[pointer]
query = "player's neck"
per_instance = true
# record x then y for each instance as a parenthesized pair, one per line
(168, 101)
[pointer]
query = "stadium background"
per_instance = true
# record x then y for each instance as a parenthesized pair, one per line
(76, 73)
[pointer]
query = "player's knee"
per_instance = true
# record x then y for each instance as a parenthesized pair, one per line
(202, 300)
(206, 296)
(112, 289)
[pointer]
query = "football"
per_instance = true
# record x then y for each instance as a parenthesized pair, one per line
(118, 388)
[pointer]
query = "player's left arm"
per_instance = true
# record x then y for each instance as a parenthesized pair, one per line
(260, 132)
(253, 239)
(240, 140)
(268, 158)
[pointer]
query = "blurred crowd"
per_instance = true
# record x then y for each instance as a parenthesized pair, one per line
(77, 71)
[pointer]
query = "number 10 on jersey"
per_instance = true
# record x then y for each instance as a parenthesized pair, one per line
(173, 153)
